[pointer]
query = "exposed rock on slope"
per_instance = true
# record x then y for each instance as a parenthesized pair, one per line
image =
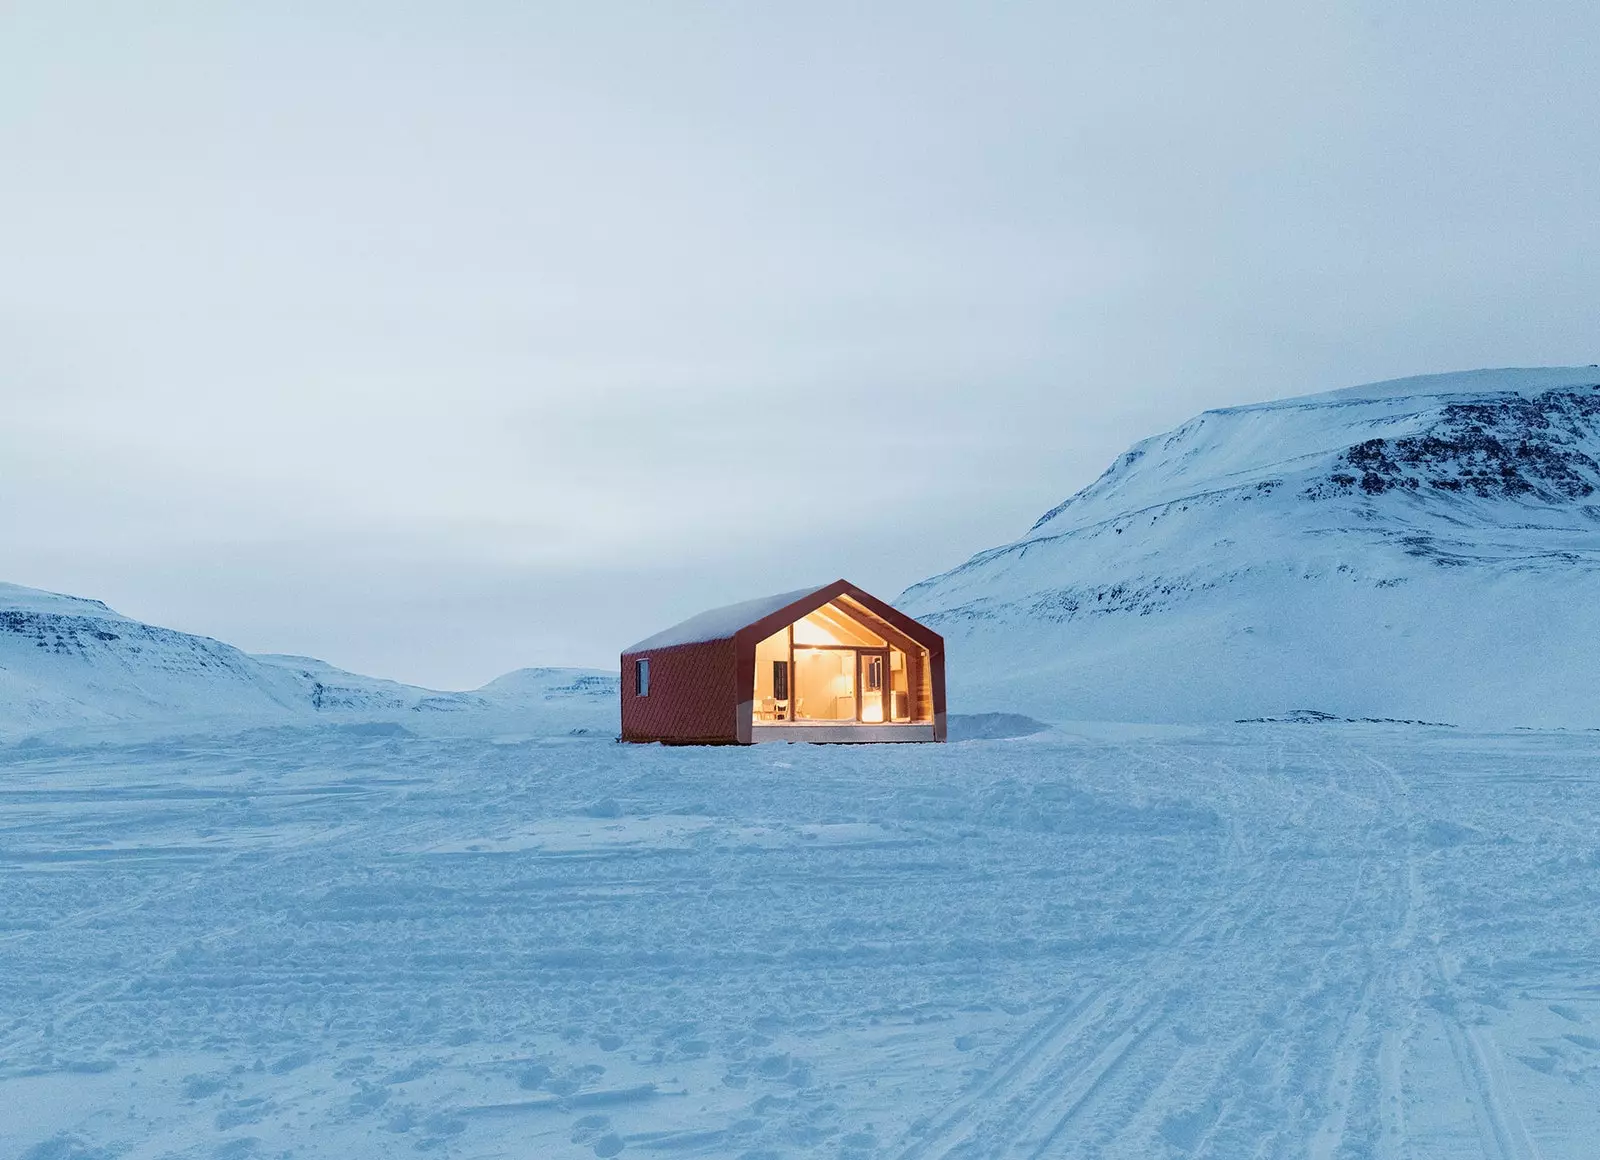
(1424, 548)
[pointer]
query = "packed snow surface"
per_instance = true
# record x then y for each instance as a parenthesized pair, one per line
(1305, 939)
(1422, 549)
(260, 906)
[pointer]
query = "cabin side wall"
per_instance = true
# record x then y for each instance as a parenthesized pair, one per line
(693, 696)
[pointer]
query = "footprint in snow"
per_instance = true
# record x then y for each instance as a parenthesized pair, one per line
(288, 1063)
(198, 1087)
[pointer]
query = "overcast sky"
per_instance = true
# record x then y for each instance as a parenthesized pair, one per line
(439, 340)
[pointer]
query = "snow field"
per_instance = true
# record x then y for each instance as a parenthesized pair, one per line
(1257, 940)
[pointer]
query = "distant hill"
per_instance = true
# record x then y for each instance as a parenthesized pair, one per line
(69, 663)
(1425, 548)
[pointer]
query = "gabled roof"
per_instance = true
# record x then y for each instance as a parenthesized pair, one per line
(721, 623)
(770, 613)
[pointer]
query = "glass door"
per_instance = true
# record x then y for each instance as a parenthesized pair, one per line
(873, 667)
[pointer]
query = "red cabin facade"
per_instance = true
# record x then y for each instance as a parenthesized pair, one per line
(831, 664)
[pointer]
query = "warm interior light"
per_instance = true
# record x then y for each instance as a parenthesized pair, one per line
(824, 656)
(829, 625)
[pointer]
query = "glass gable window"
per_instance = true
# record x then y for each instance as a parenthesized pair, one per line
(841, 664)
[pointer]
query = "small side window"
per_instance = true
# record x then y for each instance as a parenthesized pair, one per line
(641, 677)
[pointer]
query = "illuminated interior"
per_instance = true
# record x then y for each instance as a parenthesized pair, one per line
(842, 664)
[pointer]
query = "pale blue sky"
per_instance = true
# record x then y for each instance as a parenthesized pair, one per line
(438, 340)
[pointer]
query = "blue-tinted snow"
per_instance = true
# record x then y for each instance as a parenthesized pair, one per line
(381, 920)
(1284, 940)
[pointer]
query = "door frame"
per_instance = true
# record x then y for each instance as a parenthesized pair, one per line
(882, 655)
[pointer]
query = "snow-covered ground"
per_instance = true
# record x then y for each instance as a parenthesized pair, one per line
(257, 905)
(1279, 940)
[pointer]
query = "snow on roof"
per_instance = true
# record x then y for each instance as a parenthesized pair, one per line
(721, 623)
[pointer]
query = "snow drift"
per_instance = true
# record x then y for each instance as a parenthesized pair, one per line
(1423, 548)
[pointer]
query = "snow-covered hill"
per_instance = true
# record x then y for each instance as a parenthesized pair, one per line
(72, 664)
(68, 661)
(1422, 548)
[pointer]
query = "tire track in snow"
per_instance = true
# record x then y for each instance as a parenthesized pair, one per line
(1500, 1129)
(184, 886)
(1063, 1067)
(1075, 1089)
(1347, 1058)
(1042, 1047)
(1239, 1115)
(1360, 1041)
(70, 1005)
(1407, 982)
(1497, 1100)
(1050, 1070)
(371, 834)
(1492, 1136)
(1064, 1106)
(1033, 1049)
(1077, 1094)
(1501, 1133)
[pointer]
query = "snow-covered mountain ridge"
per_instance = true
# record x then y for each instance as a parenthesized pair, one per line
(1418, 548)
(70, 662)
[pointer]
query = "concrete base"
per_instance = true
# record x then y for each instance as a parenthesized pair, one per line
(840, 734)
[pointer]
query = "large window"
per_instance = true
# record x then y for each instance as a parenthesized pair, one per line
(841, 664)
(772, 702)
(825, 684)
